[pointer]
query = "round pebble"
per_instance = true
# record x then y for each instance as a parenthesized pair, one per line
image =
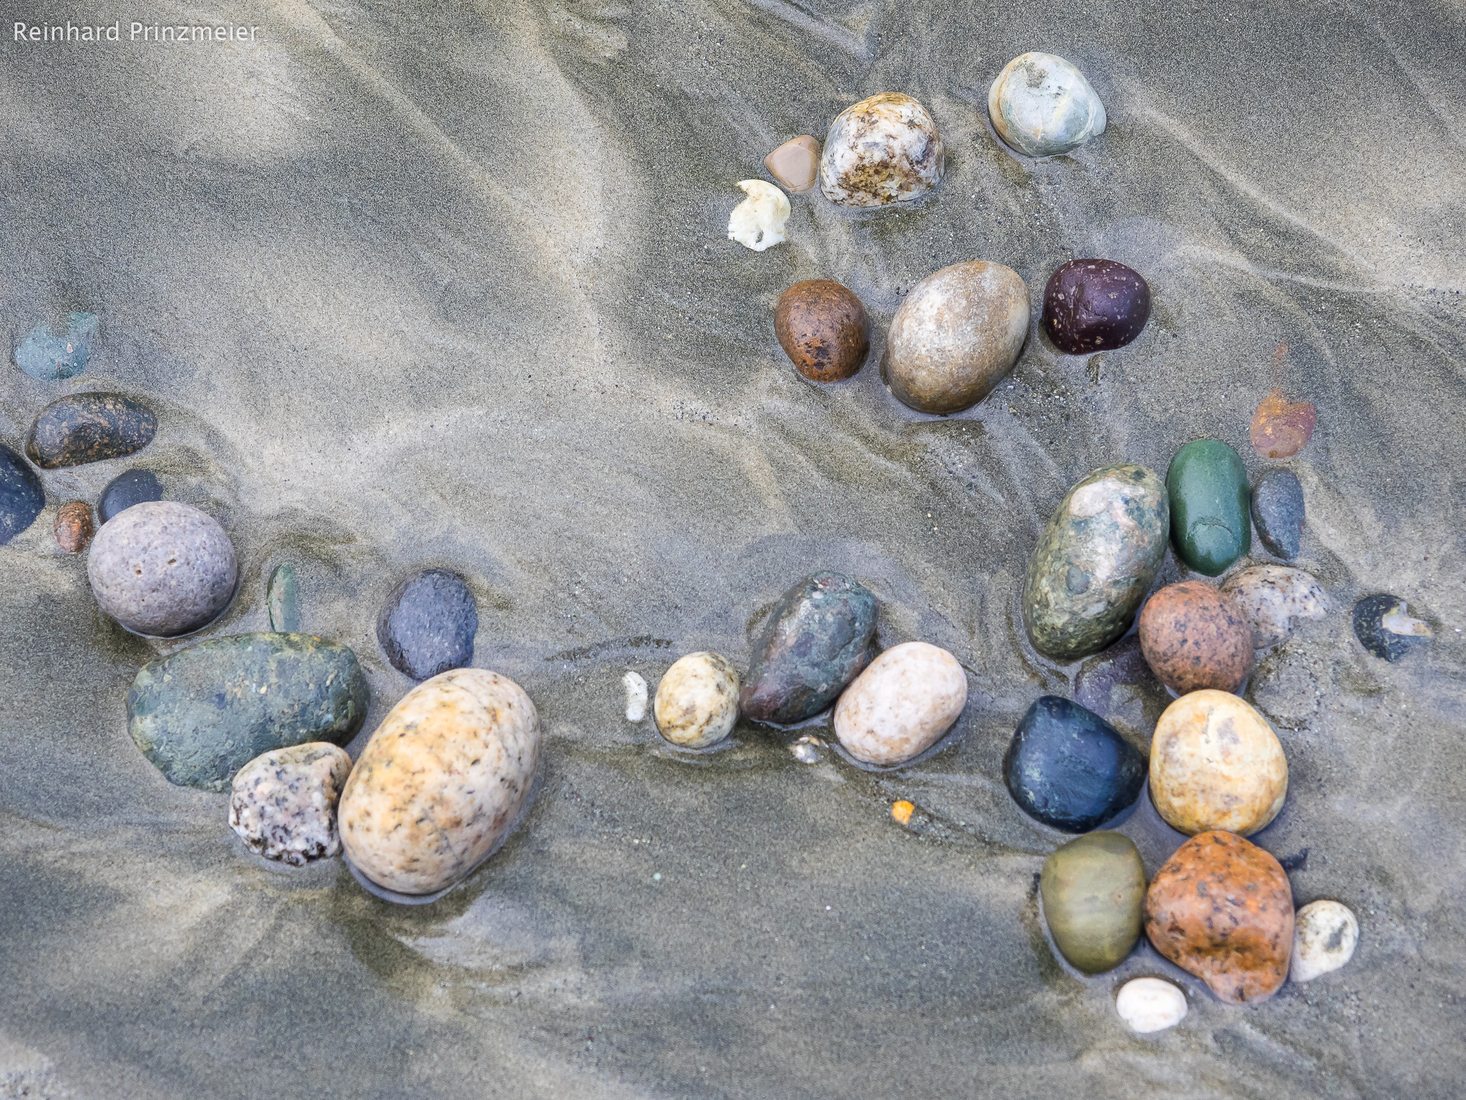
(1210, 525)
(1042, 105)
(162, 569)
(126, 489)
(1215, 763)
(428, 623)
(1193, 637)
(697, 701)
(901, 705)
(1094, 305)
(881, 150)
(53, 353)
(1277, 512)
(73, 526)
(1150, 1004)
(1067, 767)
(1093, 889)
(758, 221)
(1383, 625)
(1274, 599)
(822, 327)
(956, 335)
(283, 803)
(1325, 934)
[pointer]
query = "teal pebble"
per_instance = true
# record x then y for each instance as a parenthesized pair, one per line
(51, 357)
(1207, 485)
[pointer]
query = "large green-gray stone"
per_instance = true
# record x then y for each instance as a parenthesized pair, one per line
(1093, 889)
(1207, 484)
(1095, 561)
(204, 712)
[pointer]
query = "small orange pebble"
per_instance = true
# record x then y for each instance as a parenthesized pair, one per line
(1281, 428)
(901, 812)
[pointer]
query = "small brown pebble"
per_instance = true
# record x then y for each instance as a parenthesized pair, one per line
(1194, 636)
(795, 164)
(1281, 428)
(823, 328)
(73, 527)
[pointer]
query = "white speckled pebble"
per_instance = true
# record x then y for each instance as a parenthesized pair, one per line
(283, 803)
(901, 705)
(441, 781)
(1150, 1004)
(1325, 934)
(758, 221)
(1274, 599)
(881, 150)
(697, 701)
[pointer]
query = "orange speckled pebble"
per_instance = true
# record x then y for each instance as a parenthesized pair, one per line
(1221, 908)
(441, 781)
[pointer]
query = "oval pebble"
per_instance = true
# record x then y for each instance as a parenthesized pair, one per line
(697, 701)
(1042, 105)
(881, 150)
(901, 705)
(822, 327)
(126, 489)
(1325, 934)
(282, 599)
(1067, 767)
(73, 526)
(283, 803)
(441, 782)
(1094, 305)
(1274, 599)
(162, 569)
(1277, 512)
(21, 496)
(428, 624)
(1194, 636)
(53, 353)
(1210, 524)
(1384, 627)
(1150, 1004)
(89, 427)
(1093, 889)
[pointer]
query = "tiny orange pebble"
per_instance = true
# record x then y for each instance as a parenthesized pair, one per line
(901, 812)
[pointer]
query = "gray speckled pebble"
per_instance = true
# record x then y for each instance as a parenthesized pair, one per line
(162, 568)
(1277, 512)
(283, 804)
(428, 624)
(1274, 599)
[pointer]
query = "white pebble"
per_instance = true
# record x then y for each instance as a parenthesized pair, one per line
(1325, 934)
(635, 696)
(697, 701)
(758, 221)
(1150, 1004)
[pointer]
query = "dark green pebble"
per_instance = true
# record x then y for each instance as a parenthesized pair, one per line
(1093, 890)
(21, 496)
(126, 489)
(1069, 768)
(1207, 484)
(818, 638)
(202, 713)
(89, 427)
(1277, 511)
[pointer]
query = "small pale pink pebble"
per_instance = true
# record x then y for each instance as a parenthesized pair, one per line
(795, 164)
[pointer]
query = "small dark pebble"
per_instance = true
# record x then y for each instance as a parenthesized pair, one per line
(1094, 305)
(73, 526)
(1384, 627)
(21, 497)
(1277, 512)
(89, 427)
(1298, 861)
(126, 489)
(428, 624)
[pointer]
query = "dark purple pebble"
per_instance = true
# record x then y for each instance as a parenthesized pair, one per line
(1094, 305)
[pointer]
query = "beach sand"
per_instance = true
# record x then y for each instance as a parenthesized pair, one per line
(447, 285)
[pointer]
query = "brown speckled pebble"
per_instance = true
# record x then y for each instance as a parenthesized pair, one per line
(822, 327)
(441, 781)
(1221, 908)
(283, 803)
(73, 526)
(1194, 636)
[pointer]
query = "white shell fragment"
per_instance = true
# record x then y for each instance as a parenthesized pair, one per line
(881, 150)
(697, 701)
(1325, 934)
(636, 694)
(283, 803)
(758, 221)
(1042, 105)
(1150, 1004)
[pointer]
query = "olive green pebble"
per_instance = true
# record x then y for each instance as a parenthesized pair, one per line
(1093, 890)
(1210, 528)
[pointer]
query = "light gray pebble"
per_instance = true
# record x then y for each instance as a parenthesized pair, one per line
(283, 804)
(1274, 598)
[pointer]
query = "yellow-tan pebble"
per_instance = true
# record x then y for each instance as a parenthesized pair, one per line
(1215, 763)
(441, 781)
(697, 701)
(901, 705)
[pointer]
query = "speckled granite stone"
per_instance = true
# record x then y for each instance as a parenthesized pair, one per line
(89, 427)
(881, 150)
(21, 495)
(283, 804)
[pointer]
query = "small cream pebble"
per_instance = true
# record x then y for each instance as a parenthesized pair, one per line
(697, 701)
(283, 804)
(635, 695)
(1150, 1004)
(758, 221)
(1325, 934)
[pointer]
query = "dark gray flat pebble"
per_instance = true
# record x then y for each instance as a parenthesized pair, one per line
(428, 623)
(126, 489)
(1277, 512)
(21, 496)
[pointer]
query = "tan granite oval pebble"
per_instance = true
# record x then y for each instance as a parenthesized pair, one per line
(901, 705)
(697, 701)
(441, 781)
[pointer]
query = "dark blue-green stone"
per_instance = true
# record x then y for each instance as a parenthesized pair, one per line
(1277, 510)
(1207, 484)
(1069, 768)
(126, 489)
(21, 496)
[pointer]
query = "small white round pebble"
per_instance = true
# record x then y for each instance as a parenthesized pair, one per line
(758, 221)
(635, 695)
(1150, 1004)
(1325, 934)
(697, 701)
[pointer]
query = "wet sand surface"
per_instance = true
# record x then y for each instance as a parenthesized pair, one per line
(450, 288)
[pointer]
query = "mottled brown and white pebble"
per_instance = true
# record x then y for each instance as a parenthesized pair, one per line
(1325, 935)
(1215, 763)
(1193, 637)
(697, 701)
(283, 804)
(881, 150)
(955, 336)
(796, 163)
(73, 526)
(901, 705)
(823, 328)
(1274, 599)
(441, 781)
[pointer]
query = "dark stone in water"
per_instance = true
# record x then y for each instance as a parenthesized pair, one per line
(1383, 626)
(819, 636)
(1119, 686)
(1277, 510)
(89, 427)
(49, 356)
(126, 489)
(204, 712)
(21, 496)
(428, 624)
(1095, 305)
(1069, 768)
